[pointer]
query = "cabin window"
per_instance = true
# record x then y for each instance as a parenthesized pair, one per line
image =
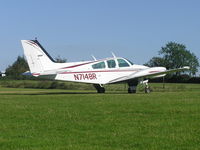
(111, 63)
(122, 63)
(100, 65)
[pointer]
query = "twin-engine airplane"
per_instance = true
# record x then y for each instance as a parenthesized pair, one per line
(96, 72)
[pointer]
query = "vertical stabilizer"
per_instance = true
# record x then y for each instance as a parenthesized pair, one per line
(38, 59)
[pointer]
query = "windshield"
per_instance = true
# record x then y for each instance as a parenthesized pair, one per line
(130, 62)
(122, 63)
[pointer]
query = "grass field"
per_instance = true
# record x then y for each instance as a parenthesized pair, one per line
(35, 119)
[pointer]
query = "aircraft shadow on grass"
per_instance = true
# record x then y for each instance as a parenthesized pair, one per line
(59, 93)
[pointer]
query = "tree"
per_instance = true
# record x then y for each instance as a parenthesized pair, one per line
(17, 68)
(155, 62)
(58, 59)
(175, 55)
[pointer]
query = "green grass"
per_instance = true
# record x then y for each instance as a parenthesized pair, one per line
(34, 119)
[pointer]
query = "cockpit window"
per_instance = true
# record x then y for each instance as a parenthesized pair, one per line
(130, 62)
(122, 63)
(100, 65)
(111, 63)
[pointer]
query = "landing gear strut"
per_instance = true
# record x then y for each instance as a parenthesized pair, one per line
(146, 88)
(99, 88)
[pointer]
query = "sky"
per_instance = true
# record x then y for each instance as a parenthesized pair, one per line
(77, 29)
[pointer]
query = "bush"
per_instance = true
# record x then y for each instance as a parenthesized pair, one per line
(194, 80)
(44, 84)
(184, 78)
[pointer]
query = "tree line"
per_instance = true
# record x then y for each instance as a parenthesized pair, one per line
(175, 55)
(20, 66)
(172, 55)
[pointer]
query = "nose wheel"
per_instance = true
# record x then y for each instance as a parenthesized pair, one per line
(147, 88)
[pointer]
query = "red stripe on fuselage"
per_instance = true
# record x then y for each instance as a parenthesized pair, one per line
(79, 65)
(34, 74)
(100, 71)
(91, 71)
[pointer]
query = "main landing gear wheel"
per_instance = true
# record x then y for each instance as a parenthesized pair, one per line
(99, 88)
(132, 89)
(132, 86)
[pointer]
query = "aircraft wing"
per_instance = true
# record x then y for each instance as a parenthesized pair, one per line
(149, 73)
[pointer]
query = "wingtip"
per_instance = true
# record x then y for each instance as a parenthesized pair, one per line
(186, 67)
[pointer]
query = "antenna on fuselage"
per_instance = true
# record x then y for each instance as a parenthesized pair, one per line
(113, 54)
(94, 57)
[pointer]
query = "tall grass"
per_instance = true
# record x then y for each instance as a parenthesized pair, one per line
(44, 84)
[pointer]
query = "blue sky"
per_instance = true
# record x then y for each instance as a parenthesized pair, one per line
(75, 29)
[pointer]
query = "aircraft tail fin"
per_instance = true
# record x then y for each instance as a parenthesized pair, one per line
(38, 58)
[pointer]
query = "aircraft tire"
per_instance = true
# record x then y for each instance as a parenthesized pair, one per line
(101, 90)
(131, 90)
(147, 90)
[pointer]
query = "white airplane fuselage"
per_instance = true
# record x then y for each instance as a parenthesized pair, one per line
(97, 72)
(86, 73)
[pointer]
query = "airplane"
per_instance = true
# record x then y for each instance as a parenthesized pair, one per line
(97, 72)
